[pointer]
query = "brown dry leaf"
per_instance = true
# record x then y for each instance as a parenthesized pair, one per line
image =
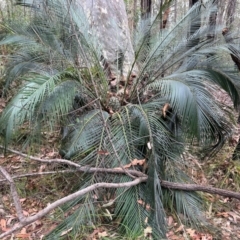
(225, 200)
(169, 234)
(3, 224)
(141, 202)
(128, 165)
(23, 235)
(210, 197)
(234, 216)
(10, 219)
(192, 233)
(134, 162)
(222, 214)
(2, 102)
(202, 179)
(170, 221)
(23, 231)
(138, 162)
(113, 83)
(38, 222)
(2, 211)
(179, 229)
(102, 234)
(111, 111)
(42, 168)
(165, 109)
(206, 237)
(5, 198)
(148, 207)
(175, 237)
(25, 213)
(65, 232)
(147, 231)
(102, 152)
(93, 234)
(51, 154)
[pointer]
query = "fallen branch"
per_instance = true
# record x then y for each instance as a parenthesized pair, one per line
(37, 174)
(141, 178)
(60, 161)
(14, 193)
(25, 221)
(196, 187)
(86, 169)
(166, 184)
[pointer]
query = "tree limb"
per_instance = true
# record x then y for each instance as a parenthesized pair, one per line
(14, 194)
(196, 187)
(80, 168)
(52, 206)
(61, 161)
(141, 178)
(135, 173)
(37, 174)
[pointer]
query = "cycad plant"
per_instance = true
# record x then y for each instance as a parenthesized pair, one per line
(109, 123)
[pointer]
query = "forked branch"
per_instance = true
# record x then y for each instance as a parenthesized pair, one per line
(139, 177)
(25, 221)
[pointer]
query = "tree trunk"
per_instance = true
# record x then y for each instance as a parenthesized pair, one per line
(213, 21)
(175, 11)
(108, 19)
(146, 6)
(230, 12)
(195, 25)
(227, 31)
(192, 2)
(165, 19)
(133, 15)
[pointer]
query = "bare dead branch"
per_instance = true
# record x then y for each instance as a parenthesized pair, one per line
(141, 178)
(70, 197)
(79, 168)
(196, 187)
(14, 194)
(61, 161)
(87, 169)
(37, 174)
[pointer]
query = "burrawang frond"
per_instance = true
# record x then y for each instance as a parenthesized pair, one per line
(188, 206)
(141, 122)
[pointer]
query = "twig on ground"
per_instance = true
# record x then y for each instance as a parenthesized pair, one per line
(196, 187)
(52, 206)
(80, 168)
(14, 194)
(37, 174)
(141, 178)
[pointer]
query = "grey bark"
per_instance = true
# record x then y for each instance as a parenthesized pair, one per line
(175, 11)
(213, 20)
(230, 12)
(192, 2)
(109, 20)
(146, 6)
(194, 26)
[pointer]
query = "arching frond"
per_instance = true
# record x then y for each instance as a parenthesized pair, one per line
(109, 121)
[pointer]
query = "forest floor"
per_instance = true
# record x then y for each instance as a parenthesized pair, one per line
(223, 214)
